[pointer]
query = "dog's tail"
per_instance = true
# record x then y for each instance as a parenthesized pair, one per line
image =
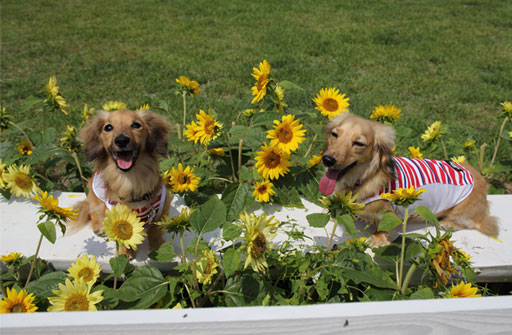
(489, 226)
(84, 216)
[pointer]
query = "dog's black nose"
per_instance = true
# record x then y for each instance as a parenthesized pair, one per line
(122, 141)
(328, 160)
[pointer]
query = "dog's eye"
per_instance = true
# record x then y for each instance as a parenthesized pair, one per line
(358, 144)
(108, 127)
(136, 125)
(333, 134)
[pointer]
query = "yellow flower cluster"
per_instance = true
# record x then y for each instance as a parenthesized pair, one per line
(189, 86)
(205, 129)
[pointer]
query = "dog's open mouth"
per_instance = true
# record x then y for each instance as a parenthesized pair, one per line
(124, 159)
(328, 182)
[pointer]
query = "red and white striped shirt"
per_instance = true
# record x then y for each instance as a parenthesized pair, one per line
(447, 183)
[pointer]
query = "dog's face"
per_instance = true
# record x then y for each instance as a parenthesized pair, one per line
(354, 145)
(123, 136)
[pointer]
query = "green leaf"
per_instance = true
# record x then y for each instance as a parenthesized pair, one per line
(318, 220)
(237, 197)
(43, 286)
(164, 253)
(288, 85)
(231, 231)
(246, 174)
(424, 293)
(210, 216)
(388, 222)
(427, 214)
(289, 196)
(29, 103)
(146, 284)
(231, 261)
(118, 265)
(48, 230)
(252, 137)
(348, 222)
(375, 277)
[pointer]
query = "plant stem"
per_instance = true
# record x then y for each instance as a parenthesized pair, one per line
(408, 277)
(183, 254)
(117, 254)
(231, 156)
(34, 260)
(444, 150)
(481, 157)
(499, 140)
(332, 235)
(311, 145)
(190, 296)
(184, 109)
(240, 155)
(24, 134)
(77, 161)
(402, 253)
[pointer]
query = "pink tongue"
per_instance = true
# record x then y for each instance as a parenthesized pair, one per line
(124, 164)
(328, 182)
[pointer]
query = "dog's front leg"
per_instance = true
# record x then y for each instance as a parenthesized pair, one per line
(373, 213)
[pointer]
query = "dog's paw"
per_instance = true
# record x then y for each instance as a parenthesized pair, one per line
(130, 253)
(99, 232)
(379, 239)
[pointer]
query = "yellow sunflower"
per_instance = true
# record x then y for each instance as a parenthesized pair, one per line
(415, 152)
(188, 85)
(459, 159)
(50, 206)
(507, 108)
(124, 227)
(191, 132)
(206, 267)
(11, 257)
(178, 223)
(84, 268)
(19, 181)
(315, 159)
(280, 104)
(330, 102)
(114, 105)
(143, 107)
(207, 128)
(87, 113)
(263, 191)
(342, 203)
(262, 78)
(217, 152)
(25, 148)
(463, 290)
(287, 134)
(258, 230)
(182, 180)
(469, 144)
(272, 162)
(74, 296)
(433, 132)
(386, 113)
(55, 99)
(404, 196)
(17, 302)
(70, 141)
(2, 170)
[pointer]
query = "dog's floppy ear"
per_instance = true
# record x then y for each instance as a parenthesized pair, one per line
(90, 136)
(384, 143)
(159, 130)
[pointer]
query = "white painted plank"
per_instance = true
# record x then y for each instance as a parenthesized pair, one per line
(490, 315)
(18, 232)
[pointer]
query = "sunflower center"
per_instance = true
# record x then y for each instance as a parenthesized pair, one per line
(23, 181)
(330, 105)
(76, 302)
(259, 245)
(86, 274)
(183, 179)
(284, 134)
(123, 230)
(272, 160)
(18, 308)
(209, 127)
(262, 189)
(262, 82)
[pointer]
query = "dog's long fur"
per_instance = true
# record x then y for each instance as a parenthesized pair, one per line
(364, 148)
(138, 137)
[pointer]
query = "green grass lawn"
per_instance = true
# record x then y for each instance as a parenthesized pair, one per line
(436, 60)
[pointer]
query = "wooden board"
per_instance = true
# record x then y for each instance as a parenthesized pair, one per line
(18, 233)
